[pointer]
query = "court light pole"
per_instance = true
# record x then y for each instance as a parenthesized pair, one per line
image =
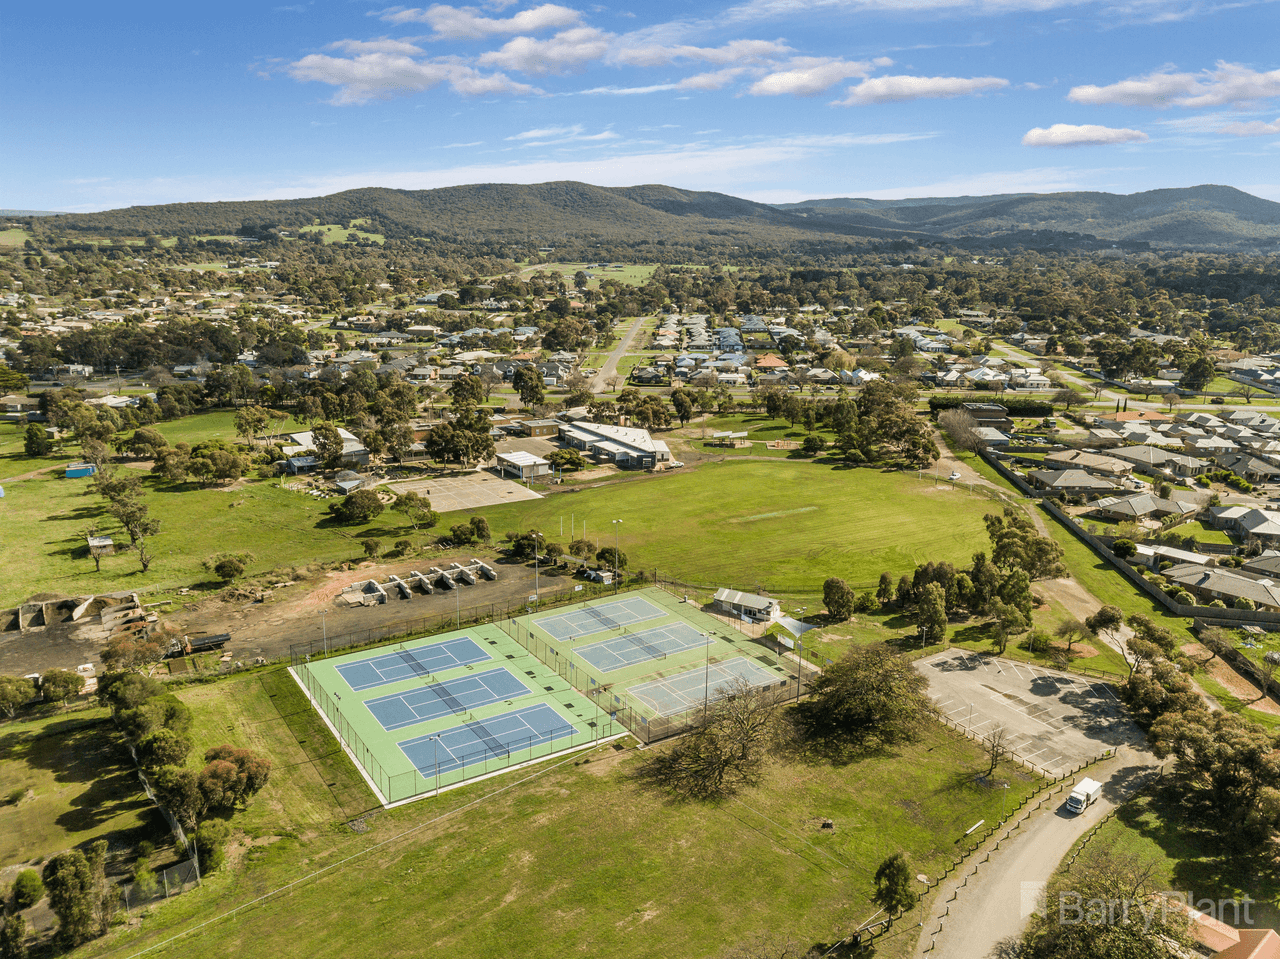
(435, 755)
(324, 630)
(616, 523)
(969, 724)
(537, 595)
(706, 676)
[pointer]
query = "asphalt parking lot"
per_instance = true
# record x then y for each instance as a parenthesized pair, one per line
(1054, 721)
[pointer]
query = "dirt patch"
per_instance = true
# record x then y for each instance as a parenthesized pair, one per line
(1236, 684)
(1073, 597)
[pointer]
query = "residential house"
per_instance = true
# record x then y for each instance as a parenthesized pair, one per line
(1073, 482)
(1250, 467)
(1153, 459)
(1087, 460)
(1208, 583)
(1140, 506)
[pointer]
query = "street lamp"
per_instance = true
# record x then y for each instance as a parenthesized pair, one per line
(969, 724)
(1003, 793)
(324, 630)
(616, 523)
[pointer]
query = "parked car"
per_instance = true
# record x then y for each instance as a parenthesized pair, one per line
(955, 475)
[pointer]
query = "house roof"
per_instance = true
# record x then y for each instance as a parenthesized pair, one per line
(746, 600)
(1218, 580)
(1070, 479)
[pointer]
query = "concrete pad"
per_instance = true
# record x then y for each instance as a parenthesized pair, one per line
(468, 491)
(1054, 720)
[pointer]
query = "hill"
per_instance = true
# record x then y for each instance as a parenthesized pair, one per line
(1202, 217)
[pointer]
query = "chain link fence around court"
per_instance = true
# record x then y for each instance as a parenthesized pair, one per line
(408, 784)
(641, 719)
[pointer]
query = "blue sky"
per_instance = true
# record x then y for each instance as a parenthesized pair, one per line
(110, 105)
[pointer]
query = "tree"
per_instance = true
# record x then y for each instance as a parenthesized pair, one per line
(163, 747)
(13, 937)
(58, 685)
(997, 743)
(870, 697)
(328, 444)
(1072, 631)
(813, 444)
(581, 548)
(1109, 904)
(416, 509)
(885, 590)
(1124, 548)
(528, 382)
(1198, 374)
(1213, 639)
(251, 420)
(362, 506)
(567, 459)
(838, 598)
(211, 844)
(962, 429)
(28, 889)
(1067, 398)
(14, 693)
(931, 614)
(248, 773)
(1107, 620)
(372, 548)
(894, 892)
(1009, 621)
(35, 442)
(136, 650)
(682, 405)
(179, 791)
(68, 878)
(1015, 543)
(228, 569)
(480, 529)
(726, 748)
(612, 558)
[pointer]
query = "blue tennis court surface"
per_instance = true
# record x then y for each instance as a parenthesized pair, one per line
(631, 648)
(598, 618)
(420, 662)
(441, 699)
(686, 690)
(495, 737)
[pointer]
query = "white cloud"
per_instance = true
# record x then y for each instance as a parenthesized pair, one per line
(566, 52)
(1226, 83)
(736, 51)
(1066, 135)
(381, 76)
(809, 76)
(466, 23)
(897, 88)
(550, 136)
(377, 46)
(715, 80)
(1253, 128)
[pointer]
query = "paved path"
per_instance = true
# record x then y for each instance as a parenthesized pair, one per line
(610, 367)
(993, 908)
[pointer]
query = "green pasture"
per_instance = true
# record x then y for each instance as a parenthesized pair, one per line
(575, 855)
(80, 786)
(14, 237)
(783, 526)
(332, 233)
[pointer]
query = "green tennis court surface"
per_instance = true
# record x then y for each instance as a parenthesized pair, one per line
(431, 713)
(637, 672)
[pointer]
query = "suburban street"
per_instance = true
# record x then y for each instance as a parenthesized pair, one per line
(610, 366)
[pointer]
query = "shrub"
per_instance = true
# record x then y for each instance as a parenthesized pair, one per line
(1038, 641)
(1185, 598)
(403, 546)
(28, 889)
(228, 569)
(1218, 604)
(211, 842)
(1244, 602)
(866, 603)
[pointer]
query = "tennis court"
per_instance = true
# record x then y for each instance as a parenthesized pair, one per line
(675, 694)
(479, 720)
(453, 697)
(476, 742)
(420, 662)
(599, 617)
(610, 655)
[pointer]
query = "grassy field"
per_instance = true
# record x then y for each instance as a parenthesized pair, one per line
(80, 786)
(1109, 586)
(336, 233)
(578, 858)
(786, 526)
(14, 237)
(48, 514)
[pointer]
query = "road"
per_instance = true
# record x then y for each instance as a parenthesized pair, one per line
(992, 910)
(610, 366)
